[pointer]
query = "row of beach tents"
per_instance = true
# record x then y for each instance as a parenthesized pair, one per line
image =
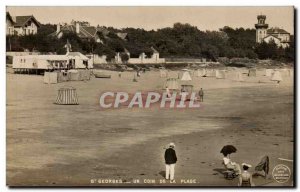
(237, 75)
(70, 75)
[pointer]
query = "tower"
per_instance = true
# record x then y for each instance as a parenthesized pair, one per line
(261, 28)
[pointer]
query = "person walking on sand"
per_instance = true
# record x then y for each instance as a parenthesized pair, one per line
(170, 160)
(201, 94)
(245, 179)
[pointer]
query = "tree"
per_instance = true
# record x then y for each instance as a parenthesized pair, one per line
(124, 57)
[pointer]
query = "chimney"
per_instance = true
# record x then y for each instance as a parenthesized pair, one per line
(58, 28)
(77, 27)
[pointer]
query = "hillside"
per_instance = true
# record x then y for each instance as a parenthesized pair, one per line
(181, 40)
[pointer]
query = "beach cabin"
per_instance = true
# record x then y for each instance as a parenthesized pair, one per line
(72, 60)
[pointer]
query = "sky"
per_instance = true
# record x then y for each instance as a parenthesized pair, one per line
(205, 18)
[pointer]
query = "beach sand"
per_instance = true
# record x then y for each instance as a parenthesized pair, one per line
(56, 145)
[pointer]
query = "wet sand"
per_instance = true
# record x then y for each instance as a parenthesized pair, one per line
(52, 145)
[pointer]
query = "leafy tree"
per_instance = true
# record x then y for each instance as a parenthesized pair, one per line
(124, 57)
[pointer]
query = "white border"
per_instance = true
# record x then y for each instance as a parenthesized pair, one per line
(5, 3)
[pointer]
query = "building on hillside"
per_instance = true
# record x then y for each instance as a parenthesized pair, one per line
(122, 36)
(97, 59)
(266, 34)
(21, 25)
(82, 29)
(142, 59)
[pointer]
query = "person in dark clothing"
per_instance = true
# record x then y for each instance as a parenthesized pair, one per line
(201, 94)
(170, 160)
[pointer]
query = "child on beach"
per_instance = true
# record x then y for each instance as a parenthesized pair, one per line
(245, 179)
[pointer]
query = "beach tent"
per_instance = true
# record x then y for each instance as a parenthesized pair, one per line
(269, 72)
(220, 74)
(239, 76)
(84, 75)
(290, 72)
(67, 96)
(187, 88)
(172, 84)
(73, 75)
(186, 76)
(210, 73)
(200, 72)
(61, 77)
(252, 72)
(276, 76)
(50, 77)
(163, 73)
(285, 72)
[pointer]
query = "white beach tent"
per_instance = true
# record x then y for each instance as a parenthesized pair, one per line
(239, 76)
(172, 84)
(50, 77)
(186, 76)
(220, 74)
(285, 72)
(73, 75)
(276, 76)
(252, 72)
(269, 72)
(290, 72)
(163, 73)
(210, 73)
(200, 72)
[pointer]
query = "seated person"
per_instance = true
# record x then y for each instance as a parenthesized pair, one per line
(231, 165)
(245, 179)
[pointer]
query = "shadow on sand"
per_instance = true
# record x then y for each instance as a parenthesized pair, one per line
(163, 174)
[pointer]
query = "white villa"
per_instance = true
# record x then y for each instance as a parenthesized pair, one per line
(264, 34)
(21, 25)
(142, 59)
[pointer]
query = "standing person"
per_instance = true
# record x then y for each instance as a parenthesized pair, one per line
(201, 94)
(168, 92)
(245, 179)
(120, 74)
(170, 160)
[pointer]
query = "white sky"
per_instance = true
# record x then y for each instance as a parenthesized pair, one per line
(205, 18)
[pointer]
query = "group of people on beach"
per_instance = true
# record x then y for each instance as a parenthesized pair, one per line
(245, 177)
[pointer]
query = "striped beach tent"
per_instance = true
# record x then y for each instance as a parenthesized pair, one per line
(67, 96)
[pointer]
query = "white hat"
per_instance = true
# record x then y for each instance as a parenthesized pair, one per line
(171, 145)
(247, 165)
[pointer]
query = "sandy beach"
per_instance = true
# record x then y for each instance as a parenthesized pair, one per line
(57, 145)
